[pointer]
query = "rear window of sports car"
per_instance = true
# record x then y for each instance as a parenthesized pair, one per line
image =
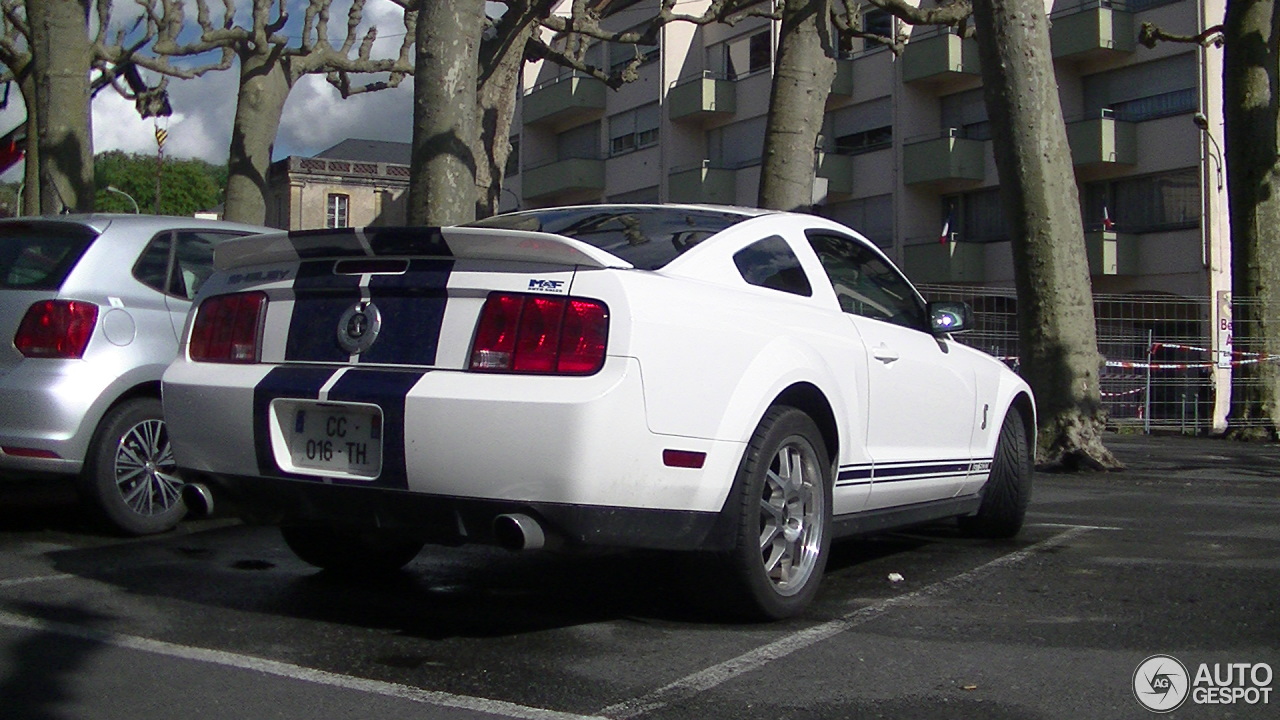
(646, 237)
(39, 257)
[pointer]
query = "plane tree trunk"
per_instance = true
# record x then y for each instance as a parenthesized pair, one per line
(1252, 75)
(62, 54)
(1059, 355)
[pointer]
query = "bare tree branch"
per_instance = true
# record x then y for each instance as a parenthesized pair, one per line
(1151, 34)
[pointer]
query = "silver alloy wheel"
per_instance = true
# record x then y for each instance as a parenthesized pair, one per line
(145, 471)
(791, 515)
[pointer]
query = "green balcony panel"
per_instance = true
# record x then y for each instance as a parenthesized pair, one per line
(564, 176)
(942, 159)
(945, 262)
(701, 97)
(1091, 31)
(838, 170)
(1111, 253)
(1103, 141)
(703, 185)
(569, 96)
(939, 57)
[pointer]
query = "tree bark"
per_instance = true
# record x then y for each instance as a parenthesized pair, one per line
(62, 54)
(803, 72)
(31, 163)
(442, 182)
(1059, 355)
(265, 82)
(1251, 78)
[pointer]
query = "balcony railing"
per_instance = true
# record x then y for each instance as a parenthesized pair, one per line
(702, 96)
(563, 97)
(943, 158)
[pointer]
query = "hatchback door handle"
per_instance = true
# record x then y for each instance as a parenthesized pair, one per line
(884, 354)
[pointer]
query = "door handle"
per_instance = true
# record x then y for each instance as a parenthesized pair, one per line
(884, 354)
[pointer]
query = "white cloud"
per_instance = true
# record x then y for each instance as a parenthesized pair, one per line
(315, 116)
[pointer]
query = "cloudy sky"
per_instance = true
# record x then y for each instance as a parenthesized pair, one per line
(315, 117)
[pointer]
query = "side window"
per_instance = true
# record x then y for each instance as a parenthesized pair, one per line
(152, 268)
(865, 284)
(194, 261)
(178, 270)
(770, 263)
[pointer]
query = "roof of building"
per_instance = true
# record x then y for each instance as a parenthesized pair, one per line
(381, 151)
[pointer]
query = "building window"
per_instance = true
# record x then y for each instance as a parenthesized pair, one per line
(965, 115)
(1151, 203)
(865, 141)
(738, 145)
(1143, 92)
(976, 217)
(336, 215)
(633, 129)
(621, 53)
(878, 22)
(871, 216)
(742, 56)
(580, 142)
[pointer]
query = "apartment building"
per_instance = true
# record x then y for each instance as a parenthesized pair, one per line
(352, 184)
(905, 154)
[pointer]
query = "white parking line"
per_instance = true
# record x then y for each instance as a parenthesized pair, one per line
(719, 674)
(13, 582)
(286, 670)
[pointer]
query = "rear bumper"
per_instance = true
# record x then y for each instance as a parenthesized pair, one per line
(575, 451)
(455, 521)
(51, 406)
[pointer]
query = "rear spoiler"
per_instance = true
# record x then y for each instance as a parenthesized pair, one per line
(455, 242)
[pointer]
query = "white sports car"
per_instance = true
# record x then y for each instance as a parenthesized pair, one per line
(744, 383)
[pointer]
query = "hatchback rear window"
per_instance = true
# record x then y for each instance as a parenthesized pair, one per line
(35, 256)
(648, 237)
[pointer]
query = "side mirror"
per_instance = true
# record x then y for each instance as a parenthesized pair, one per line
(950, 317)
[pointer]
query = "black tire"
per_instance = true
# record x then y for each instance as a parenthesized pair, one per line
(1007, 492)
(350, 551)
(783, 524)
(130, 479)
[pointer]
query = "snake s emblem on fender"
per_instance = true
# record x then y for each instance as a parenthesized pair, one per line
(358, 327)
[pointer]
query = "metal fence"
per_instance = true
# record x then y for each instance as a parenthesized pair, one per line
(1160, 363)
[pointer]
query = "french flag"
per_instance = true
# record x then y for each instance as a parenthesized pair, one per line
(946, 229)
(1107, 223)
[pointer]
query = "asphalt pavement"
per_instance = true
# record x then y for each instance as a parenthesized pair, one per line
(1174, 562)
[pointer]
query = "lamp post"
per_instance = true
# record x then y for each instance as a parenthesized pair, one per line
(1202, 122)
(118, 191)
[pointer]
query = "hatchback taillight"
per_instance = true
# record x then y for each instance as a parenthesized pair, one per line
(540, 334)
(227, 328)
(56, 329)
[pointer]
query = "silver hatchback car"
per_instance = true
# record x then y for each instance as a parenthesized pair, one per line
(94, 306)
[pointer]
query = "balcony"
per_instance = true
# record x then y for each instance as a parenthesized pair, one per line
(1091, 30)
(571, 175)
(1111, 253)
(703, 183)
(837, 170)
(945, 262)
(701, 97)
(1103, 141)
(562, 98)
(940, 56)
(944, 159)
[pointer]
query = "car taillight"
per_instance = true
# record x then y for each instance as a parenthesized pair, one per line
(540, 334)
(56, 329)
(227, 328)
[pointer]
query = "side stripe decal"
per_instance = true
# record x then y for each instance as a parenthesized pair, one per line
(869, 473)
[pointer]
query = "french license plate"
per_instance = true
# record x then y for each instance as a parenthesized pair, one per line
(335, 440)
